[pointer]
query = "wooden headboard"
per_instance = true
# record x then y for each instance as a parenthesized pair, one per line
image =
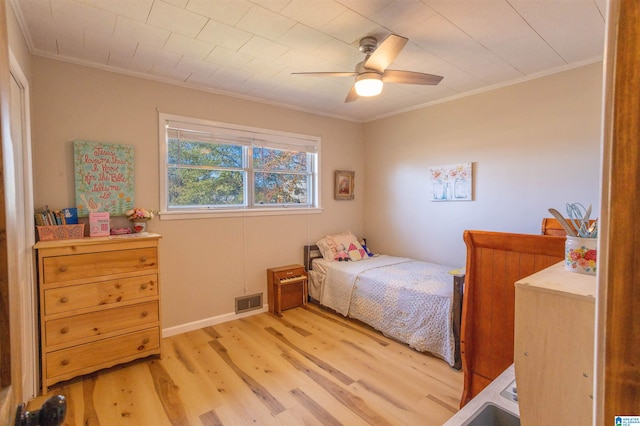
(495, 261)
(311, 252)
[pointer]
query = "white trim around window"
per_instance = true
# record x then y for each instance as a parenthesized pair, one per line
(248, 138)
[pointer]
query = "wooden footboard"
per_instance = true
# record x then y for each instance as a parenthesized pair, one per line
(495, 261)
(456, 313)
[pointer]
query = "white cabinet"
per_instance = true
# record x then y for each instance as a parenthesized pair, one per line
(554, 347)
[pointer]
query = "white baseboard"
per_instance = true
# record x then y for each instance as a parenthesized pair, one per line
(196, 325)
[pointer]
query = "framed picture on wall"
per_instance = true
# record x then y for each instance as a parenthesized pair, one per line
(104, 177)
(452, 182)
(344, 185)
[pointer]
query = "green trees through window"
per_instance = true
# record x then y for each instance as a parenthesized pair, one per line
(215, 167)
(205, 174)
(280, 177)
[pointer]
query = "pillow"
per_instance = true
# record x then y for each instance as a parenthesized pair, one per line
(344, 239)
(331, 245)
(326, 247)
(356, 252)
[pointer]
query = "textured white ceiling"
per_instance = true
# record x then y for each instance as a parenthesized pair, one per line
(249, 48)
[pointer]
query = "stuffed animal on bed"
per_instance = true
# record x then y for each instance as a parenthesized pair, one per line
(367, 251)
(341, 254)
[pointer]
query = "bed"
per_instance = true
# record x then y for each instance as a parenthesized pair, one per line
(414, 302)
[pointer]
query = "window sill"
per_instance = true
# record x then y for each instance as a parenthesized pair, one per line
(212, 214)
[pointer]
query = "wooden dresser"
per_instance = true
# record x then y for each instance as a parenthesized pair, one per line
(98, 303)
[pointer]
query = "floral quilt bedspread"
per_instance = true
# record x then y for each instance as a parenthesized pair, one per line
(410, 301)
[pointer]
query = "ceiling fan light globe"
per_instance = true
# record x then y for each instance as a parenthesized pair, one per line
(368, 84)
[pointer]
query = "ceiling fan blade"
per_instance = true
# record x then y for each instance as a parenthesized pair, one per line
(410, 77)
(385, 53)
(352, 95)
(326, 74)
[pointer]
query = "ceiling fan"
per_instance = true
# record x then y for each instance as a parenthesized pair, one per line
(371, 73)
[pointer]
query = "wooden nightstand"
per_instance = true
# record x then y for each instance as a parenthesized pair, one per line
(286, 288)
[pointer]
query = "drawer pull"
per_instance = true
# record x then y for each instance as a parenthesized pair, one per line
(143, 259)
(64, 299)
(144, 286)
(144, 342)
(63, 268)
(64, 330)
(144, 314)
(64, 362)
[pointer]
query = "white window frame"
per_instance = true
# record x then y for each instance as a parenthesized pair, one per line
(203, 212)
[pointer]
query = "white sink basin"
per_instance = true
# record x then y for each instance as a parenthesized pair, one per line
(495, 405)
(492, 415)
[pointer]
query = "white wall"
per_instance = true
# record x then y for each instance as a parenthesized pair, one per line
(533, 145)
(205, 263)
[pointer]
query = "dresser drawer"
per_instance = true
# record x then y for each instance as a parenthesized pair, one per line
(98, 323)
(64, 299)
(67, 268)
(101, 354)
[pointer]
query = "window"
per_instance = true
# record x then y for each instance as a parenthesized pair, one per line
(213, 167)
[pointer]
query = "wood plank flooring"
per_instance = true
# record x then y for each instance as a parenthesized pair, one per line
(310, 367)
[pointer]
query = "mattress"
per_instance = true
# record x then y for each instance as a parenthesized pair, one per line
(407, 300)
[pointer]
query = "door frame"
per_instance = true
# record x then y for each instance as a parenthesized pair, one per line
(10, 344)
(27, 235)
(617, 353)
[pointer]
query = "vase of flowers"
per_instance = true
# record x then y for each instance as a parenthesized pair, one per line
(581, 255)
(139, 217)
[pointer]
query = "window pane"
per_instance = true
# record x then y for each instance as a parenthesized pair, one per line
(281, 188)
(231, 168)
(192, 153)
(276, 159)
(198, 187)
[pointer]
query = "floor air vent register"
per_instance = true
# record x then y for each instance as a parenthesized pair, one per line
(248, 303)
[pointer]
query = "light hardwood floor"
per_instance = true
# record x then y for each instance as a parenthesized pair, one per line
(310, 367)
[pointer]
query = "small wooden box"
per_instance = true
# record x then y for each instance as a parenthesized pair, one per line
(286, 288)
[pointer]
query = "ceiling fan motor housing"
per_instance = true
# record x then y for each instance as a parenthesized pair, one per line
(368, 45)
